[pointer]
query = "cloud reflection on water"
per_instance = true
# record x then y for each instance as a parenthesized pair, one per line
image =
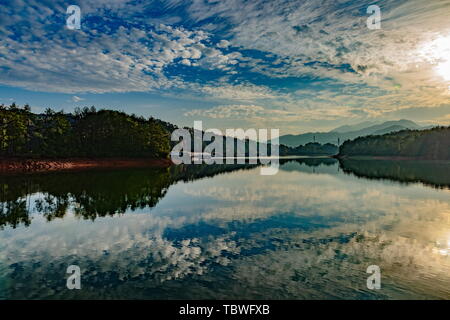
(295, 235)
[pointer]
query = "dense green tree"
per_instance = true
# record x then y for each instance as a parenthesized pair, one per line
(86, 133)
(432, 144)
(13, 130)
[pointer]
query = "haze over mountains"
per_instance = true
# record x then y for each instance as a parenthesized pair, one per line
(348, 132)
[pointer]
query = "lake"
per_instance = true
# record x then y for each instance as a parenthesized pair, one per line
(227, 232)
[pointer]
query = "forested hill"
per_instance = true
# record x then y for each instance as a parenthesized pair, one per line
(431, 144)
(85, 133)
(95, 133)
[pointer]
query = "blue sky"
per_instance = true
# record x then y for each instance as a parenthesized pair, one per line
(294, 65)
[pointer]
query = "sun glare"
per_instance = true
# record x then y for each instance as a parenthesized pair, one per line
(443, 69)
(437, 52)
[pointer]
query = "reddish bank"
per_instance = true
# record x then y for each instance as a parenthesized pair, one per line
(40, 165)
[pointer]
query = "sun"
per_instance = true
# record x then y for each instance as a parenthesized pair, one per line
(437, 52)
(443, 69)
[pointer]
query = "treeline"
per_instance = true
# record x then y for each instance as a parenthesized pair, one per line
(244, 147)
(84, 133)
(310, 149)
(431, 144)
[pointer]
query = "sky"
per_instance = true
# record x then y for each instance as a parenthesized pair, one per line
(299, 66)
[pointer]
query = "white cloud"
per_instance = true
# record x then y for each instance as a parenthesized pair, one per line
(360, 72)
(228, 112)
(77, 99)
(223, 44)
(317, 38)
(98, 60)
(240, 92)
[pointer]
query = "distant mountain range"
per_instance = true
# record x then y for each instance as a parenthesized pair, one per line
(349, 132)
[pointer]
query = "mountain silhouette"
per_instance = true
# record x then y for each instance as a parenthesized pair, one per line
(342, 134)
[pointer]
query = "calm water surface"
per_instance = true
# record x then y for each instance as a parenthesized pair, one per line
(226, 232)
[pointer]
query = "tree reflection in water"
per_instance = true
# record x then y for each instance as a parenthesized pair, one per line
(93, 193)
(99, 193)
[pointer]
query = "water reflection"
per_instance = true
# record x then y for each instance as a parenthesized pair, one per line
(91, 194)
(308, 232)
(432, 173)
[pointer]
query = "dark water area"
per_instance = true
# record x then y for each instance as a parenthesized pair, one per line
(227, 232)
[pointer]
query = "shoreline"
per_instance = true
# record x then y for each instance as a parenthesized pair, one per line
(392, 158)
(18, 165)
(27, 165)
